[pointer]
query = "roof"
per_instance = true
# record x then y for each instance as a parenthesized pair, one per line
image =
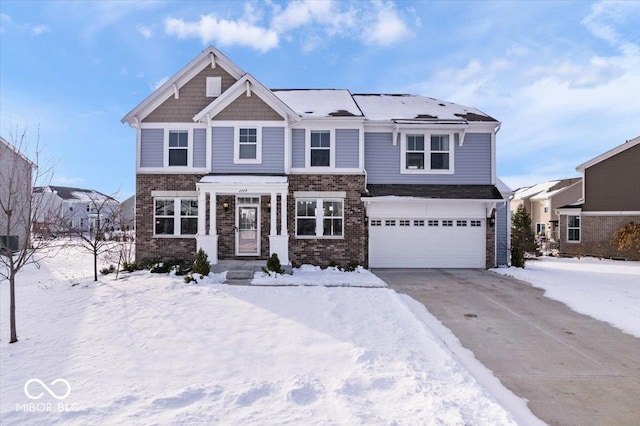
(615, 151)
(244, 179)
(503, 187)
(559, 187)
(452, 192)
(70, 193)
(416, 108)
(320, 103)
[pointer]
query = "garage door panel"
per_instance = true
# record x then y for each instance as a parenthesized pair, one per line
(426, 246)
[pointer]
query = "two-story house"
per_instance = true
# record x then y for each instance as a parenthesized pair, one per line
(227, 165)
(541, 201)
(74, 209)
(611, 188)
(15, 197)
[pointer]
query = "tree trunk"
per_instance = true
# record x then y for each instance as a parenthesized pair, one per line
(95, 266)
(12, 307)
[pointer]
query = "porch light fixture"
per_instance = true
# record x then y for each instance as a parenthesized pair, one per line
(492, 221)
(225, 206)
(269, 205)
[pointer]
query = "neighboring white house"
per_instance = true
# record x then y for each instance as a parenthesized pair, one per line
(79, 208)
(128, 214)
(15, 196)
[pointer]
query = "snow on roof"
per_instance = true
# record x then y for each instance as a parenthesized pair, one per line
(503, 187)
(320, 103)
(530, 191)
(415, 107)
(69, 193)
(244, 179)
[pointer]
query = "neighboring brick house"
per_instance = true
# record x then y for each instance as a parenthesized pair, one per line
(16, 173)
(242, 171)
(542, 200)
(611, 187)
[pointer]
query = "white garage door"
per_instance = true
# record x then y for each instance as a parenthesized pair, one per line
(427, 243)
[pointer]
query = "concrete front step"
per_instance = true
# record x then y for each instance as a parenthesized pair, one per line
(239, 274)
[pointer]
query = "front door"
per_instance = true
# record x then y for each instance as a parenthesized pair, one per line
(248, 230)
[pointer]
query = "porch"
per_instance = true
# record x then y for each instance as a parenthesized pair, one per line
(233, 224)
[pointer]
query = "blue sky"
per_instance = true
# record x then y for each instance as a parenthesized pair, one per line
(562, 77)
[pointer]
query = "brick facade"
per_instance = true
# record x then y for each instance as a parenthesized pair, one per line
(318, 251)
(148, 246)
(596, 233)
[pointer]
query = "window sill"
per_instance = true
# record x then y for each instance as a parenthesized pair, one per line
(426, 172)
(238, 161)
(190, 236)
(314, 237)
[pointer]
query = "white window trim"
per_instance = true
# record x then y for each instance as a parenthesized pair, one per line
(320, 219)
(579, 228)
(189, 131)
(236, 146)
(176, 218)
(332, 148)
(427, 153)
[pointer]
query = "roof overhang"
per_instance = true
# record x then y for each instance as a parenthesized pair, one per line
(210, 56)
(617, 150)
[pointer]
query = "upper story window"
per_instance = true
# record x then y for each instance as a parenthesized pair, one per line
(439, 152)
(415, 152)
(248, 145)
(320, 148)
(573, 229)
(427, 153)
(178, 147)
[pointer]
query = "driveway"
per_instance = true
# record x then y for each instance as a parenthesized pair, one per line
(573, 369)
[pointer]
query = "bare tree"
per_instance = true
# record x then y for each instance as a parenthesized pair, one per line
(97, 235)
(18, 176)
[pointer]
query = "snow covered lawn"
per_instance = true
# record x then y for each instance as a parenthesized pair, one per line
(150, 349)
(314, 275)
(607, 290)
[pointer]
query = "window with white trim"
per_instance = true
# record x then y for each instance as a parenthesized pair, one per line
(389, 222)
(476, 223)
(447, 223)
(418, 223)
(178, 147)
(461, 223)
(541, 228)
(573, 229)
(426, 153)
(405, 222)
(175, 216)
(320, 148)
(248, 145)
(433, 223)
(324, 222)
(440, 152)
(415, 152)
(376, 222)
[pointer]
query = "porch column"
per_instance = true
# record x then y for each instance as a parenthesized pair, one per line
(274, 212)
(212, 213)
(283, 213)
(202, 212)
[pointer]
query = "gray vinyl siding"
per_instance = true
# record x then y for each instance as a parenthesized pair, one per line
(472, 162)
(502, 254)
(297, 151)
(347, 148)
(199, 148)
(151, 148)
(272, 152)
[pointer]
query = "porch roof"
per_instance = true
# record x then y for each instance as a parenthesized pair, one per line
(473, 192)
(243, 179)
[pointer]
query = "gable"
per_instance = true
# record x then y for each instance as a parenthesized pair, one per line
(192, 98)
(248, 108)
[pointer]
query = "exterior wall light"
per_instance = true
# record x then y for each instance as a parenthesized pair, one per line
(225, 206)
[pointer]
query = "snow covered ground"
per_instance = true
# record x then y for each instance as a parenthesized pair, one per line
(150, 349)
(314, 275)
(607, 290)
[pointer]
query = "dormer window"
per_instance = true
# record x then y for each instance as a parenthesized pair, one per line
(214, 87)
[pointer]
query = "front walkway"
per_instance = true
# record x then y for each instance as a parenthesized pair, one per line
(573, 369)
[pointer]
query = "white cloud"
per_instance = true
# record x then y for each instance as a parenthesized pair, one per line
(4, 20)
(223, 32)
(144, 31)
(37, 30)
(123, 71)
(300, 13)
(386, 28)
(159, 83)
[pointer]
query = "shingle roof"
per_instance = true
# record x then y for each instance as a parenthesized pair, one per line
(454, 192)
(319, 102)
(69, 193)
